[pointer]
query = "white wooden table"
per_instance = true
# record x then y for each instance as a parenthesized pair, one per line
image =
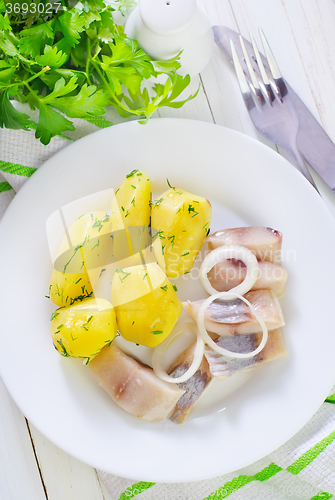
(301, 34)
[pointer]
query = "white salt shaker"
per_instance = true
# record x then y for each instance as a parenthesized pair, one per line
(163, 28)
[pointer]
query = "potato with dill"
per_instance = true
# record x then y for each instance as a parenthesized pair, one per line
(83, 329)
(87, 238)
(131, 211)
(182, 221)
(146, 304)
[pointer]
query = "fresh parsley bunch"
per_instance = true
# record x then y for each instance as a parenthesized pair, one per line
(74, 63)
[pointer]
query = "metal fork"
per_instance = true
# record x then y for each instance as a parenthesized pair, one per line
(268, 101)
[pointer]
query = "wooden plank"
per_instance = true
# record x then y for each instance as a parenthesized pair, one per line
(65, 477)
(196, 109)
(302, 39)
(219, 79)
(19, 474)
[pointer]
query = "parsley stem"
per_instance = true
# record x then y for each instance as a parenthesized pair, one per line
(44, 70)
(88, 59)
(26, 84)
(137, 112)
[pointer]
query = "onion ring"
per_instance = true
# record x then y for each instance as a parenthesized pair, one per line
(210, 342)
(159, 355)
(230, 252)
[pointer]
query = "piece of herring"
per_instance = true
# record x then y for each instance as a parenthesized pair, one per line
(229, 273)
(223, 367)
(134, 386)
(193, 388)
(264, 242)
(235, 317)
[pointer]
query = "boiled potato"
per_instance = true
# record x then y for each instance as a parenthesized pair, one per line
(182, 220)
(131, 209)
(146, 304)
(89, 238)
(81, 330)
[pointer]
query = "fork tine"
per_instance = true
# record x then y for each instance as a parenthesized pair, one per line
(242, 81)
(239, 71)
(266, 87)
(270, 57)
(275, 71)
(252, 75)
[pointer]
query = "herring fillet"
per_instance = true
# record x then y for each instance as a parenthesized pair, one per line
(264, 242)
(193, 388)
(222, 367)
(133, 385)
(229, 273)
(235, 317)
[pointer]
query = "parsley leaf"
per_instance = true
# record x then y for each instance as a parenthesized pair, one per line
(74, 63)
(71, 24)
(51, 123)
(51, 57)
(88, 102)
(11, 117)
(33, 40)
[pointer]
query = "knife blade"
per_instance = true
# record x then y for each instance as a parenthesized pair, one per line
(313, 142)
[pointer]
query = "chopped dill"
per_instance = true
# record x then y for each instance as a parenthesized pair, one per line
(64, 351)
(123, 273)
(84, 325)
(76, 283)
(164, 288)
(192, 209)
(168, 183)
(171, 239)
(132, 173)
(175, 288)
(157, 332)
(54, 315)
(158, 202)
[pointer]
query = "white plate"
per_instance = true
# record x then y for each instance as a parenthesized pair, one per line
(248, 184)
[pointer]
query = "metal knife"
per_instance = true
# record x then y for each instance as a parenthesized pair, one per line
(313, 142)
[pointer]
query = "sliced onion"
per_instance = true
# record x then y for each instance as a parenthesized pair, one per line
(158, 357)
(230, 252)
(207, 339)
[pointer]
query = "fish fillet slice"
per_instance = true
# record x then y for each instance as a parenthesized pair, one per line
(223, 367)
(134, 386)
(264, 242)
(193, 388)
(231, 272)
(235, 317)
